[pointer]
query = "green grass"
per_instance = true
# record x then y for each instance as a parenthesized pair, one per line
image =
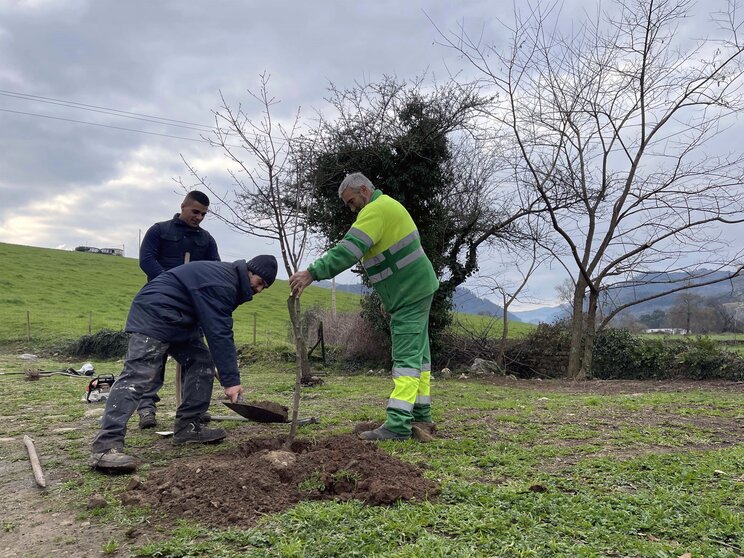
(525, 471)
(61, 291)
(488, 326)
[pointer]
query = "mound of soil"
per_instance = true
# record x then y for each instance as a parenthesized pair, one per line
(238, 487)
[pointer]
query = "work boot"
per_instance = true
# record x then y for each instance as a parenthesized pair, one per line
(195, 433)
(112, 460)
(147, 420)
(383, 433)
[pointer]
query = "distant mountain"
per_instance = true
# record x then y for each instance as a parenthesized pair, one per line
(467, 302)
(545, 314)
(649, 284)
(464, 300)
(646, 285)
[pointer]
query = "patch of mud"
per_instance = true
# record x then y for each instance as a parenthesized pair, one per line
(238, 487)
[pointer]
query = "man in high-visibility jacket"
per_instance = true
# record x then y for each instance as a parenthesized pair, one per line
(385, 239)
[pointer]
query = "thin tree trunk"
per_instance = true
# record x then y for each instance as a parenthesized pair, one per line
(589, 334)
(500, 359)
(577, 331)
(303, 365)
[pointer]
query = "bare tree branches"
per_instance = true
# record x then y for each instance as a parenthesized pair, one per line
(620, 129)
(267, 196)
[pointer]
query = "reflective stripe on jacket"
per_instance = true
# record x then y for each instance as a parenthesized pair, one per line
(385, 239)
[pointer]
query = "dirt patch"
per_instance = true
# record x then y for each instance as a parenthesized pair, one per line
(238, 487)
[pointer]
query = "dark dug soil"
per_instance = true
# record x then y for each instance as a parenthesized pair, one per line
(238, 487)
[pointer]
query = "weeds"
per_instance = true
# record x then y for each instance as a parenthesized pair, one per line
(312, 484)
(110, 546)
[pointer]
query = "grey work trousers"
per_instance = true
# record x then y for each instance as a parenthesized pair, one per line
(142, 364)
(150, 397)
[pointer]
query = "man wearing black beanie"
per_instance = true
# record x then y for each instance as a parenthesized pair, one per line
(168, 316)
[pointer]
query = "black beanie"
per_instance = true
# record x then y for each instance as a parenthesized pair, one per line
(264, 266)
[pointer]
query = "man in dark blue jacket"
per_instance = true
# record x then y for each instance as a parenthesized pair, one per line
(164, 247)
(168, 316)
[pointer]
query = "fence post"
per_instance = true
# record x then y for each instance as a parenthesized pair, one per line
(90, 322)
(254, 328)
(28, 325)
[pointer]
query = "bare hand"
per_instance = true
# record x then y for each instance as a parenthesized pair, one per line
(234, 392)
(298, 281)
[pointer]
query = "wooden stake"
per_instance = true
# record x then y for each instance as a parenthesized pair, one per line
(35, 464)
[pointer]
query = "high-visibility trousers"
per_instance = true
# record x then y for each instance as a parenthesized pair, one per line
(411, 397)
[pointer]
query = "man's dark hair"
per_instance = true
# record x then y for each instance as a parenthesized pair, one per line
(197, 196)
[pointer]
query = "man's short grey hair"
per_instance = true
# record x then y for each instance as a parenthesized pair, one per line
(355, 181)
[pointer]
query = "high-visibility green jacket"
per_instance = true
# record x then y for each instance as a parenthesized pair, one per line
(385, 239)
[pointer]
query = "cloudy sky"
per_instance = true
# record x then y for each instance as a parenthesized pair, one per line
(74, 173)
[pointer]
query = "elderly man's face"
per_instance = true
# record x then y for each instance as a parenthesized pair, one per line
(355, 201)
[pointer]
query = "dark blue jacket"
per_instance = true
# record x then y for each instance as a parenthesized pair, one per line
(166, 243)
(173, 306)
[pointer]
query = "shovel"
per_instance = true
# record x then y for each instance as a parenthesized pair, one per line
(264, 411)
(258, 411)
(255, 411)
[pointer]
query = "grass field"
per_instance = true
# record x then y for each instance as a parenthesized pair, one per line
(486, 326)
(62, 294)
(63, 291)
(527, 469)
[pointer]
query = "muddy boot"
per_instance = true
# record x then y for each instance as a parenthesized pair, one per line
(112, 461)
(147, 420)
(195, 433)
(383, 433)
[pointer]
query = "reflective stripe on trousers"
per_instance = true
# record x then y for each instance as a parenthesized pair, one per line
(411, 398)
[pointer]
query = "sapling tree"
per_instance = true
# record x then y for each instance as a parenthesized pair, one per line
(267, 196)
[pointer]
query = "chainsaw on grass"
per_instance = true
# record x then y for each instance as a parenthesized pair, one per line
(98, 388)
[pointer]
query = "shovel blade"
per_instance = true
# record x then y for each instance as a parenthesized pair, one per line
(262, 411)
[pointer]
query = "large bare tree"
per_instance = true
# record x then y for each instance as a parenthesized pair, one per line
(622, 127)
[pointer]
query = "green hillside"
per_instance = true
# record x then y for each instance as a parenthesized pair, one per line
(61, 291)
(488, 327)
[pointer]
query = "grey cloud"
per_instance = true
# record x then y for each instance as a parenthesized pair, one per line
(170, 59)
